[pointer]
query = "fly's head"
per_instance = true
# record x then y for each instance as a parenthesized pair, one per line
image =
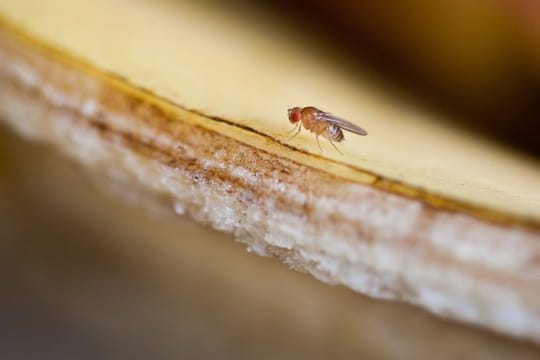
(295, 115)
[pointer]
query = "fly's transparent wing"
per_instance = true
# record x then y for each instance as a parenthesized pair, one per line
(344, 124)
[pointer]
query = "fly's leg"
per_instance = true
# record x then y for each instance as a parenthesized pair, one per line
(318, 142)
(334, 145)
(298, 132)
(293, 128)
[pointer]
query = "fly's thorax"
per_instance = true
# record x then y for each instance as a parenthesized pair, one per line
(312, 123)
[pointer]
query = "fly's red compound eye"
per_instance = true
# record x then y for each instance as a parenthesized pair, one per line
(295, 115)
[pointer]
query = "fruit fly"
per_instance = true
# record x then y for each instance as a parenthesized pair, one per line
(322, 123)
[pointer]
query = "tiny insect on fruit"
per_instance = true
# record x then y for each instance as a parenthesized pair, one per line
(322, 123)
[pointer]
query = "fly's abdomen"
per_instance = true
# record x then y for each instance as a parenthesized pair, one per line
(335, 133)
